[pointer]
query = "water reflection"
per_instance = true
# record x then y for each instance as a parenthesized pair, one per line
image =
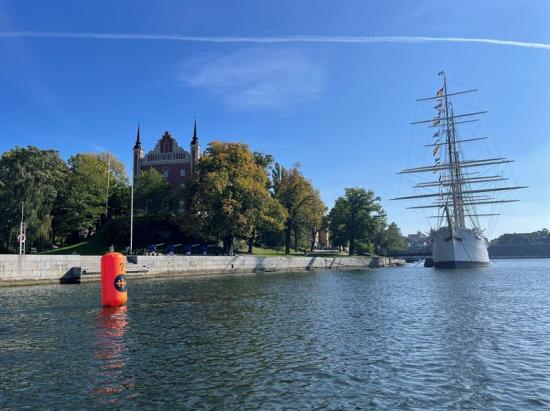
(110, 351)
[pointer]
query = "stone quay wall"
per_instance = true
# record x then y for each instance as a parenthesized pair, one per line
(37, 269)
(185, 265)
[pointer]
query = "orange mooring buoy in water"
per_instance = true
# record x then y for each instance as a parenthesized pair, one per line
(113, 280)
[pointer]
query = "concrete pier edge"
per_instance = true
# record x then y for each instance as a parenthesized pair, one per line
(66, 269)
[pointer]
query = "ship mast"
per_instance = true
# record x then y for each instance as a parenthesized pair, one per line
(457, 195)
(454, 161)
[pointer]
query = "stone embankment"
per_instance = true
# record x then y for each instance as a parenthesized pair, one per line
(37, 269)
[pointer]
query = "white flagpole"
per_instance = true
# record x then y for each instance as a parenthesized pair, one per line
(132, 217)
(108, 178)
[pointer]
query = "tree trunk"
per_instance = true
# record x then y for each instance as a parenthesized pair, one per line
(251, 242)
(228, 245)
(313, 233)
(352, 245)
(295, 240)
(287, 240)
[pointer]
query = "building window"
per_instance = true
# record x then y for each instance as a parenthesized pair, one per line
(165, 172)
(182, 172)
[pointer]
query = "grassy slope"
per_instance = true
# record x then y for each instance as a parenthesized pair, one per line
(89, 247)
(270, 251)
(93, 247)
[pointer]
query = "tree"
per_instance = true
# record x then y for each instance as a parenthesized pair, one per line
(83, 205)
(119, 190)
(228, 194)
(312, 219)
(272, 214)
(300, 199)
(356, 219)
(391, 239)
(271, 218)
(153, 195)
(32, 178)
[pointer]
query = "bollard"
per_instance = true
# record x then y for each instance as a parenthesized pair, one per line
(113, 280)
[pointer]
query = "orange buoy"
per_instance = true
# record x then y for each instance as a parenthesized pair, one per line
(113, 280)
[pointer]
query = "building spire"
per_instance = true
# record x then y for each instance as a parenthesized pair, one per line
(138, 138)
(195, 148)
(195, 139)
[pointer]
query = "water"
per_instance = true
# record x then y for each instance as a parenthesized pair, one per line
(388, 338)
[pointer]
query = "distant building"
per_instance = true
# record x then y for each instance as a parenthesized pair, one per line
(418, 240)
(322, 239)
(168, 158)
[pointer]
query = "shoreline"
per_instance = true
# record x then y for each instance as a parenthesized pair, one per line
(34, 269)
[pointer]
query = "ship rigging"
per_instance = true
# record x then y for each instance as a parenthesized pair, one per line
(458, 185)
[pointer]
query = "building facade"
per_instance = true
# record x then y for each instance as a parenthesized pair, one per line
(168, 158)
(322, 239)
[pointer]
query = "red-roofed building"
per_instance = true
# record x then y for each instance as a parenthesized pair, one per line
(168, 158)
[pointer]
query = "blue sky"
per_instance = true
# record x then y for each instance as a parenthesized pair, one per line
(341, 109)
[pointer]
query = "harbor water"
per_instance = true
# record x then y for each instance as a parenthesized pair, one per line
(404, 338)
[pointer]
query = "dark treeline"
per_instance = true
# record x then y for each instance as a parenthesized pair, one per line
(535, 244)
(236, 198)
(536, 237)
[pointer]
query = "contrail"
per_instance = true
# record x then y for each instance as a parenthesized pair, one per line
(276, 39)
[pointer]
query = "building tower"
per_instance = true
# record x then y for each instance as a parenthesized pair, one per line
(138, 155)
(195, 148)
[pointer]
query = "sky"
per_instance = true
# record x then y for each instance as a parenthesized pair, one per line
(331, 85)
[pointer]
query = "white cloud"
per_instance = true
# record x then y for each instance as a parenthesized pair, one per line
(255, 79)
(271, 40)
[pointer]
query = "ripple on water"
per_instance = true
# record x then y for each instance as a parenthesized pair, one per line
(409, 338)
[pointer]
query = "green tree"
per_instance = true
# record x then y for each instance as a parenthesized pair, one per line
(228, 194)
(83, 205)
(312, 220)
(33, 178)
(119, 190)
(300, 199)
(153, 195)
(391, 239)
(356, 219)
(271, 218)
(272, 214)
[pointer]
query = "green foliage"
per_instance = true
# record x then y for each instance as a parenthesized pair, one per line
(356, 218)
(535, 244)
(116, 231)
(34, 178)
(536, 237)
(391, 239)
(364, 248)
(301, 200)
(264, 160)
(228, 195)
(153, 195)
(91, 246)
(82, 206)
(231, 197)
(147, 230)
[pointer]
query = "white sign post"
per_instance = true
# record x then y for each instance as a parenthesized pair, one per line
(22, 237)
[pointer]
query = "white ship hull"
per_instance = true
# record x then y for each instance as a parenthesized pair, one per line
(468, 248)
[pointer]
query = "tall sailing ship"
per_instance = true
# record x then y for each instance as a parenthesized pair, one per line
(461, 188)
